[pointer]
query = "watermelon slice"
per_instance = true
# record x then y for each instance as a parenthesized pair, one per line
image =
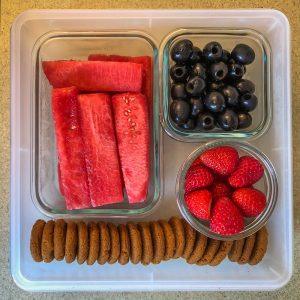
(93, 76)
(70, 148)
(144, 60)
(101, 153)
(132, 128)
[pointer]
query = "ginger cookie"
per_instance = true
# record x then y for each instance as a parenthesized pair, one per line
(210, 251)
(260, 246)
(48, 242)
(198, 248)
(105, 243)
(36, 240)
(83, 242)
(158, 240)
(124, 243)
(247, 249)
(60, 228)
(135, 243)
(190, 237)
(93, 242)
(71, 242)
(222, 253)
(169, 239)
(147, 245)
(178, 229)
(236, 250)
(114, 242)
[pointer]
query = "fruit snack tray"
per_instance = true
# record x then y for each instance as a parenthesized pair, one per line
(276, 268)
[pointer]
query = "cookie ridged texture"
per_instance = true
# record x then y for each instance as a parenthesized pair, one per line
(169, 239)
(124, 245)
(93, 243)
(60, 229)
(158, 239)
(36, 240)
(71, 242)
(147, 244)
(178, 229)
(48, 242)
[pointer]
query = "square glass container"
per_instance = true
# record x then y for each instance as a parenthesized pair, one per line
(258, 72)
(77, 46)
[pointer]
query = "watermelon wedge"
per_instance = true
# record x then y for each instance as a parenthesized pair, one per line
(101, 153)
(93, 76)
(144, 60)
(70, 148)
(132, 128)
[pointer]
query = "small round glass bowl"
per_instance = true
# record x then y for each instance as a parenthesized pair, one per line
(268, 184)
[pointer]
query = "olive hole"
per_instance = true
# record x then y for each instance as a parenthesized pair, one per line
(214, 50)
(220, 73)
(207, 121)
(238, 71)
(179, 72)
(247, 97)
(190, 86)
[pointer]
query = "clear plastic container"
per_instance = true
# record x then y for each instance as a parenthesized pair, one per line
(267, 184)
(258, 72)
(277, 266)
(77, 46)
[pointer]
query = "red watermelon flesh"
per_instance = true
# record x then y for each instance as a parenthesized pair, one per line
(102, 161)
(94, 76)
(70, 148)
(144, 60)
(132, 128)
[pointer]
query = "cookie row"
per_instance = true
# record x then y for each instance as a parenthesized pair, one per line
(145, 242)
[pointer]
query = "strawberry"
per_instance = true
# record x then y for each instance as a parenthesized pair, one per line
(249, 171)
(197, 177)
(220, 189)
(196, 162)
(199, 203)
(222, 159)
(226, 218)
(250, 201)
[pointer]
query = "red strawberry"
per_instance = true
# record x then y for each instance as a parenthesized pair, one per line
(226, 217)
(222, 159)
(197, 161)
(197, 177)
(220, 189)
(199, 203)
(250, 201)
(249, 171)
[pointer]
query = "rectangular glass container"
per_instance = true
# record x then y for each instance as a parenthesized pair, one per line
(258, 72)
(77, 46)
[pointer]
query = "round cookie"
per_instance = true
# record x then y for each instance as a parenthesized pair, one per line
(190, 237)
(105, 244)
(135, 243)
(59, 237)
(236, 250)
(147, 245)
(210, 251)
(93, 242)
(48, 242)
(124, 243)
(178, 229)
(260, 246)
(71, 242)
(158, 240)
(198, 249)
(114, 242)
(222, 253)
(247, 249)
(83, 242)
(169, 239)
(36, 240)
